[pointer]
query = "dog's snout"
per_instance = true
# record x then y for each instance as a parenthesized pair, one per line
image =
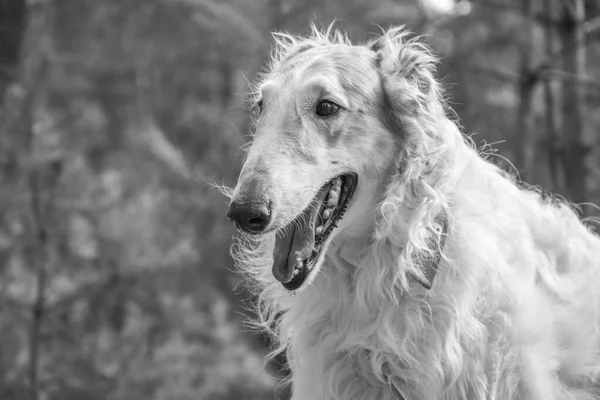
(252, 217)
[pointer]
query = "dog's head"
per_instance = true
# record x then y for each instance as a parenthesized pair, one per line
(334, 124)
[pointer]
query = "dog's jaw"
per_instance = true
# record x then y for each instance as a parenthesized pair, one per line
(357, 226)
(302, 254)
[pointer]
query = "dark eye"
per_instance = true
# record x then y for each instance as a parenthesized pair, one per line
(326, 107)
(260, 106)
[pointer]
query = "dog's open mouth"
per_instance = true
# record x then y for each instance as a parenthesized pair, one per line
(298, 245)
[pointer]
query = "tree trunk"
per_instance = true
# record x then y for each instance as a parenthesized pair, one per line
(12, 25)
(13, 15)
(575, 146)
(525, 115)
(29, 56)
(552, 136)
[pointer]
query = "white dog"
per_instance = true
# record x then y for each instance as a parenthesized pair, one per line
(393, 261)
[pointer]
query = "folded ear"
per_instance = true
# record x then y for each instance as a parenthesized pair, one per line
(413, 105)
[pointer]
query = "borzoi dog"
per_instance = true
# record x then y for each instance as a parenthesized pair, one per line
(391, 259)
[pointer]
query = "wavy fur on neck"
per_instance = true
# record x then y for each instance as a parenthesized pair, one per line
(513, 310)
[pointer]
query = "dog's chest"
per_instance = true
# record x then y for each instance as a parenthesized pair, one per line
(347, 329)
(338, 336)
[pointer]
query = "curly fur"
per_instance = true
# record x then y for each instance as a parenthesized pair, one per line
(513, 311)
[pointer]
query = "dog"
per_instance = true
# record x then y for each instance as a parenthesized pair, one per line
(391, 259)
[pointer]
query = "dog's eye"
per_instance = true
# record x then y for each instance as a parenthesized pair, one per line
(326, 107)
(260, 106)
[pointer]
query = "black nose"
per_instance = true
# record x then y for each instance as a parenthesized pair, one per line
(251, 217)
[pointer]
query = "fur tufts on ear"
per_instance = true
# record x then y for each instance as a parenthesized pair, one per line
(408, 66)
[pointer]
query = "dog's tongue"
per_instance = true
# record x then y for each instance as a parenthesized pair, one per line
(297, 242)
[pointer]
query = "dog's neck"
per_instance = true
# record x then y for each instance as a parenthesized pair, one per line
(357, 236)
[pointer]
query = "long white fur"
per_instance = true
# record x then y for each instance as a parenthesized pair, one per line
(514, 308)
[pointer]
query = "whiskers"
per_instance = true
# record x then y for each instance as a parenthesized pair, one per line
(224, 190)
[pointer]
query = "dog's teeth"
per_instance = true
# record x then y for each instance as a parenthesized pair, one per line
(319, 230)
(333, 199)
(296, 272)
(326, 214)
(299, 264)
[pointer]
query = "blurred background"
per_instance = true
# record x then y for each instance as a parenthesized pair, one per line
(118, 116)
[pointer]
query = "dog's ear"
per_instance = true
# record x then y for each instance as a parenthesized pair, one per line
(413, 109)
(412, 103)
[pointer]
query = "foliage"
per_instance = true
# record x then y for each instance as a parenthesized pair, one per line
(118, 118)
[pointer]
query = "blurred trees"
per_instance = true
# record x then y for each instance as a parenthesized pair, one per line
(532, 64)
(576, 146)
(117, 117)
(114, 265)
